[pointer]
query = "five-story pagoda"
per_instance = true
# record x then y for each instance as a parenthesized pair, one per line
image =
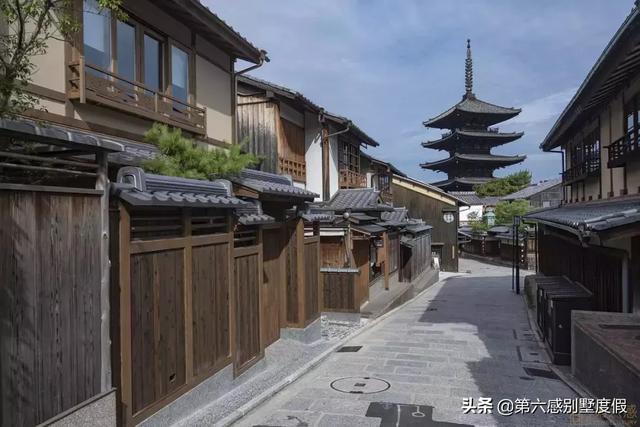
(470, 138)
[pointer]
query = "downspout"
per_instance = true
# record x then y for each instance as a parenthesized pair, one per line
(326, 183)
(263, 58)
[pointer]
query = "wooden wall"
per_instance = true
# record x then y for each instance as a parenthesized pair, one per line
(339, 292)
(598, 269)
(257, 125)
(394, 251)
(312, 294)
(414, 261)
(49, 304)
(431, 211)
(274, 280)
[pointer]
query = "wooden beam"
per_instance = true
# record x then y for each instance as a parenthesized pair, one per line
(102, 184)
(125, 316)
(188, 295)
(385, 265)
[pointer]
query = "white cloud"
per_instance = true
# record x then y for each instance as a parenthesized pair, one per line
(543, 109)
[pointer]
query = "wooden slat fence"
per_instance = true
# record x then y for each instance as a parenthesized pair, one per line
(415, 260)
(394, 252)
(312, 293)
(50, 342)
(339, 292)
(273, 287)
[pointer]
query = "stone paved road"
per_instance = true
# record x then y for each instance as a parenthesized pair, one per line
(467, 336)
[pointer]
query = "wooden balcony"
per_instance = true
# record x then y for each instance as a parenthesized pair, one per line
(588, 167)
(351, 179)
(296, 169)
(623, 150)
(89, 83)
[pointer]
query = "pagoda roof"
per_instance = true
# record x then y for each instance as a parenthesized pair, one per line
(488, 159)
(471, 110)
(489, 138)
(461, 183)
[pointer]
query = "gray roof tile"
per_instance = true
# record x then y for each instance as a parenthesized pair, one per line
(251, 214)
(269, 183)
(356, 199)
(531, 190)
(592, 216)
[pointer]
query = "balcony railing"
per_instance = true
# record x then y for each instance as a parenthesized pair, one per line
(352, 179)
(91, 83)
(590, 166)
(297, 169)
(623, 149)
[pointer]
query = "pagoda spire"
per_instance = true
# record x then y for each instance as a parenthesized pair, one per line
(468, 72)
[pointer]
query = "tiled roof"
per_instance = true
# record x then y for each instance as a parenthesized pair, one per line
(391, 167)
(138, 188)
(592, 216)
(321, 217)
(396, 216)
(471, 198)
(251, 214)
(369, 228)
(134, 154)
(47, 133)
(356, 199)
(429, 187)
(479, 158)
(472, 105)
(531, 190)
(269, 183)
(471, 136)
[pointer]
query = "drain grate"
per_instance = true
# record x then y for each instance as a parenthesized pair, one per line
(543, 373)
(620, 327)
(360, 385)
(526, 378)
(349, 349)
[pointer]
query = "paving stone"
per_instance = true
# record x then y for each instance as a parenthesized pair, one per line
(347, 421)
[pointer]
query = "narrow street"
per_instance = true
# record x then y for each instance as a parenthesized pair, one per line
(466, 336)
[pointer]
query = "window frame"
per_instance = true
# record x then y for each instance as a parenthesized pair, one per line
(166, 44)
(350, 156)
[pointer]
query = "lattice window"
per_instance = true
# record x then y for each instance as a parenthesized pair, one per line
(208, 221)
(149, 224)
(245, 236)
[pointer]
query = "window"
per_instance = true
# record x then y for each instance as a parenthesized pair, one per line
(97, 35)
(179, 74)
(152, 49)
(126, 50)
(632, 120)
(350, 158)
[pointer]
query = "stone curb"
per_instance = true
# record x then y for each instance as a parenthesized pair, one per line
(273, 390)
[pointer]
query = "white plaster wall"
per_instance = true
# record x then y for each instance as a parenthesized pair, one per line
(313, 153)
(333, 165)
(213, 92)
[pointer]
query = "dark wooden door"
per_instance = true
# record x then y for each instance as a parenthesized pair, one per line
(248, 272)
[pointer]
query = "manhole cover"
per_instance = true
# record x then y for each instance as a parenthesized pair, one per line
(360, 385)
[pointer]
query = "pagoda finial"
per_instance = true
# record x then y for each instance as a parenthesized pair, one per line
(468, 71)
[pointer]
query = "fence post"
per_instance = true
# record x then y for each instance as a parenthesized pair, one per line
(102, 183)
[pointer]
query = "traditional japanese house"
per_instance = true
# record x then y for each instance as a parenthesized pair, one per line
(544, 194)
(475, 207)
(470, 138)
(379, 175)
(352, 248)
(291, 132)
(593, 238)
(436, 208)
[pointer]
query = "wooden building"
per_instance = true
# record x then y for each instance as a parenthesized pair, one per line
(470, 138)
(436, 208)
(543, 194)
(593, 238)
(291, 133)
(379, 175)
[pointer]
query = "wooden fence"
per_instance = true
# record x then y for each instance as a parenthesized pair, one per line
(416, 258)
(393, 252)
(339, 292)
(50, 309)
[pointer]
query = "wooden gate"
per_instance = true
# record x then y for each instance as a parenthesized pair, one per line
(173, 306)
(273, 287)
(50, 346)
(248, 271)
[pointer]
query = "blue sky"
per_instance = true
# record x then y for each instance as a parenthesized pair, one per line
(389, 65)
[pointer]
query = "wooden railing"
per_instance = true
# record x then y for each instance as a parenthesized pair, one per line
(623, 149)
(91, 83)
(351, 179)
(297, 169)
(582, 170)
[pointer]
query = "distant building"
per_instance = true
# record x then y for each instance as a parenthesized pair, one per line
(544, 194)
(477, 206)
(470, 139)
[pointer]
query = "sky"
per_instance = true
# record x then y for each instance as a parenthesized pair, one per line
(388, 65)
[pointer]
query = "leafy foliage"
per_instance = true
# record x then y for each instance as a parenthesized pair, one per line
(181, 156)
(479, 226)
(505, 211)
(503, 186)
(25, 28)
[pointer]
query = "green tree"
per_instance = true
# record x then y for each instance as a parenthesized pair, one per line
(503, 186)
(181, 156)
(505, 211)
(25, 28)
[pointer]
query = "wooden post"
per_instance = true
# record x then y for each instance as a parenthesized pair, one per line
(102, 183)
(232, 292)
(125, 316)
(188, 295)
(302, 291)
(385, 261)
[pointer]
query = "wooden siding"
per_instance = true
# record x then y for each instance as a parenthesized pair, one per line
(312, 278)
(257, 125)
(291, 148)
(361, 259)
(49, 304)
(339, 292)
(414, 261)
(393, 252)
(431, 211)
